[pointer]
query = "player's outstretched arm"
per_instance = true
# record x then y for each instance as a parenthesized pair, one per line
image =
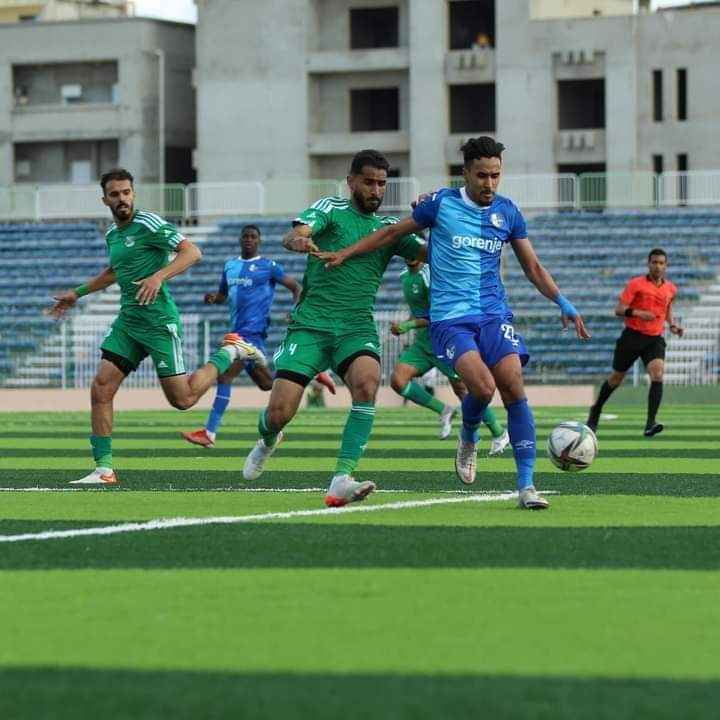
(536, 273)
(187, 254)
(385, 236)
(65, 300)
(293, 286)
(299, 239)
(401, 328)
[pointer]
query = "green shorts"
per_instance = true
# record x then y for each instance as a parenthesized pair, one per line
(421, 357)
(135, 341)
(306, 352)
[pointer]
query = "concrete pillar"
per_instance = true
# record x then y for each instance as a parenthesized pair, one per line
(428, 94)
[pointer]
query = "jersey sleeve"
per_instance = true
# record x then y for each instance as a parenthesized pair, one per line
(277, 273)
(518, 227)
(426, 211)
(317, 216)
(629, 293)
(166, 237)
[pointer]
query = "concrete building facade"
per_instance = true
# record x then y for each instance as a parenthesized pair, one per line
(78, 97)
(292, 88)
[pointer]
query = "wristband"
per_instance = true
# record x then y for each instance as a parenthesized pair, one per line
(566, 306)
(629, 312)
(82, 290)
(407, 325)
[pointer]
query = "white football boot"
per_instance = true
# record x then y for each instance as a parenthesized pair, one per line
(345, 489)
(99, 476)
(446, 419)
(529, 499)
(258, 456)
(466, 460)
(499, 444)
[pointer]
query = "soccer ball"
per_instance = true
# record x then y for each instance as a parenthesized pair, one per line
(572, 446)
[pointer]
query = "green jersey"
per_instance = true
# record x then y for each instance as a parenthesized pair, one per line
(136, 251)
(416, 290)
(344, 296)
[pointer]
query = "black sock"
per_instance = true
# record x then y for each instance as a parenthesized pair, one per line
(605, 392)
(654, 398)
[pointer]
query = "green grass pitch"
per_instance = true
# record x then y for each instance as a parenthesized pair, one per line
(426, 601)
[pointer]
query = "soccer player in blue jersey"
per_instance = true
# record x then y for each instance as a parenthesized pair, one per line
(248, 284)
(471, 326)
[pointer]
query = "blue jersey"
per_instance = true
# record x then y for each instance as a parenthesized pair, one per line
(250, 288)
(466, 241)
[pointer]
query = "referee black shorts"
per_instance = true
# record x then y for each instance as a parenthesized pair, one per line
(632, 345)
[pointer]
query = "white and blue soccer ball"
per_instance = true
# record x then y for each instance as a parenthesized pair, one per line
(572, 446)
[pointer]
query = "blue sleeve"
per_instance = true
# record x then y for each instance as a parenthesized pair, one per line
(426, 212)
(223, 288)
(518, 228)
(277, 274)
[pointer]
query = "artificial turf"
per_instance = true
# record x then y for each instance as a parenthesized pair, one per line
(603, 607)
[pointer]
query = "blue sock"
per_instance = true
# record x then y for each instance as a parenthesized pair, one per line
(472, 415)
(521, 426)
(222, 399)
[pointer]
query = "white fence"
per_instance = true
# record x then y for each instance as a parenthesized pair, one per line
(694, 359)
(288, 196)
(70, 354)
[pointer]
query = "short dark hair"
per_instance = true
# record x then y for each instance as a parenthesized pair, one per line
(373, 158)
(116, 174)
(481, 147)
(250, 227)
(657, 251)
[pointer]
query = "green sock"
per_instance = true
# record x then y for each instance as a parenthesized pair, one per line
(102, 450)
(355, 436)
(413, 392)
(269, 436)
(492, 422)
(221, 359)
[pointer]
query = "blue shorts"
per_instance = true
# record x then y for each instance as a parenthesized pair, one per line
(493, 339)
(258, 341)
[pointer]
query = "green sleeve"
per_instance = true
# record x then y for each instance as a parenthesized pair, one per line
(317, 216)
(166, 237)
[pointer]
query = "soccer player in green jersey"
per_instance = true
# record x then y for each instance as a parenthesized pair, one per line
(139, 244)
(333, 323)
(418, 358)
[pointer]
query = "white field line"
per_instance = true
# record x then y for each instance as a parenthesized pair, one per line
(104, 488)
(164, 524)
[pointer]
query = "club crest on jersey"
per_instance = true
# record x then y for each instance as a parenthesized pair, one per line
(129, 241)
(253, 267)
(497, 220)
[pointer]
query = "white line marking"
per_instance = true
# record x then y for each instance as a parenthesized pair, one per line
(104, 488)
(164, 524)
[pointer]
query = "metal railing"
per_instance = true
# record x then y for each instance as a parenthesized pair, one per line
(197, 201)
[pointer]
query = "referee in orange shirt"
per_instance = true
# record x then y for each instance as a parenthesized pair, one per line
(645, 305)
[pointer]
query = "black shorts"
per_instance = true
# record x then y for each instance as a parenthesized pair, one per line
(632, 345)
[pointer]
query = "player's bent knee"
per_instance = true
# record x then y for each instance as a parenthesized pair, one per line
(102, 392)
(279, 417)
(365, 391)
(182, 403)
